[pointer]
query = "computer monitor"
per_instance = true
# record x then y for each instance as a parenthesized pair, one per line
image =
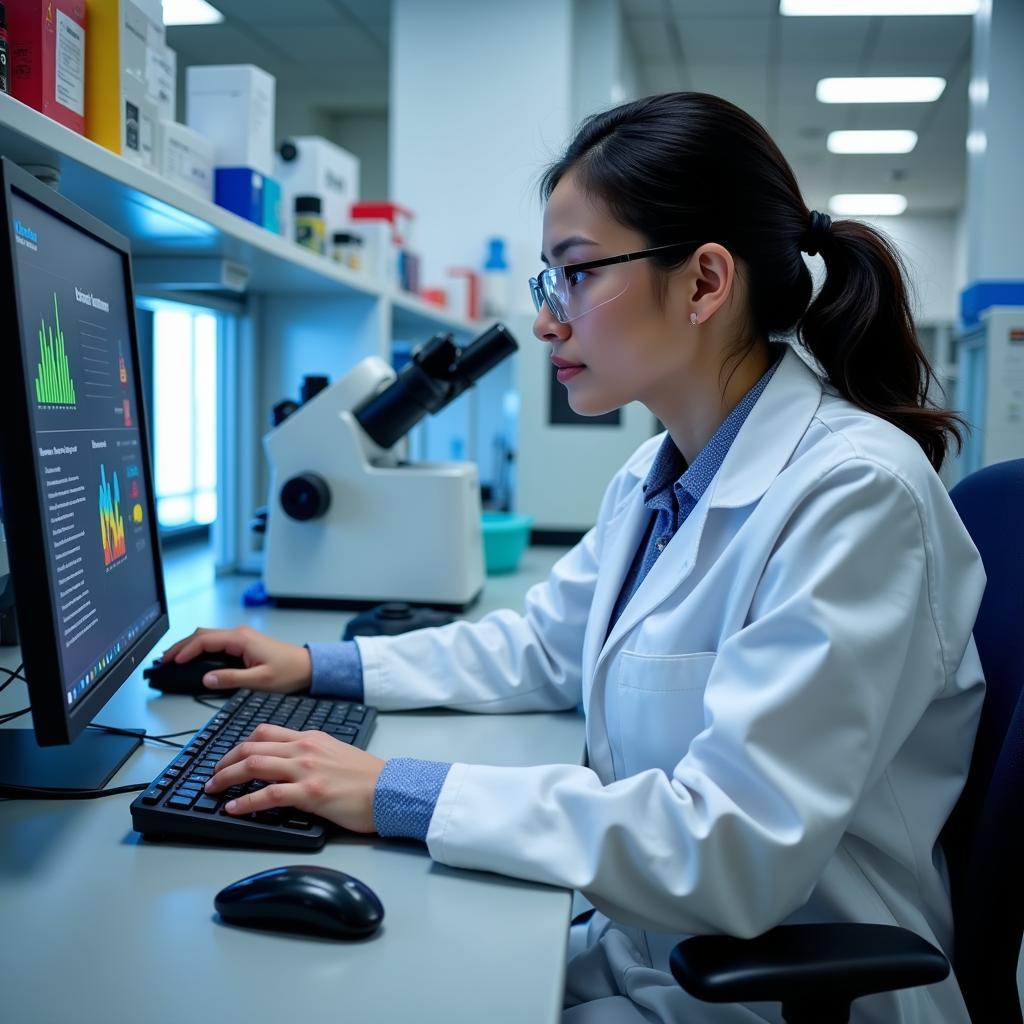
(76, 480)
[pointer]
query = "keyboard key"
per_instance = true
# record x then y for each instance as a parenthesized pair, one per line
(207, 804)
(152, 795)
(180, 802)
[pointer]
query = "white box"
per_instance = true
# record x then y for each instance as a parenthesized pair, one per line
(185, 158)
(162, 80)
(233, 106)
(318, 168)
(380, 254)
(139, 118)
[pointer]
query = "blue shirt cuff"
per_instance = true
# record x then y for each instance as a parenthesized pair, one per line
(337, 671)
(406, 795)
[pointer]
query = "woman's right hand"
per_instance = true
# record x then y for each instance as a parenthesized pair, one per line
(271, 665)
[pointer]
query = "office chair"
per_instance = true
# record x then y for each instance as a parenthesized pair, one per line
(816, 971)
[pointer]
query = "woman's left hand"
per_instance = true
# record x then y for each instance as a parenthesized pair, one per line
(308, 770)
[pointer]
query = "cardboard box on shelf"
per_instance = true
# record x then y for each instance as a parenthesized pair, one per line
(399, 217)
(185, 158)
(162, 81)
(233, 106)
(140, 118)
(380, 254)
(272, 205)
(120, 112)
(464, 291)
(47, 54)
(307, 165)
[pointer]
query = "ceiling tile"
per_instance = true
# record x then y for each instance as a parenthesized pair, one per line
(280, 12)
(643, 8)
(937, 41)
(650, 40)
(832, 40)
(343, 44)
(726, 39)
(737, 9)
(224, 44)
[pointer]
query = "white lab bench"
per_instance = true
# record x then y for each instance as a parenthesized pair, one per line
(100, 927)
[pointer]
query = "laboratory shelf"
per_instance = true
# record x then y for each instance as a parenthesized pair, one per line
(412, 317)
(172, 231)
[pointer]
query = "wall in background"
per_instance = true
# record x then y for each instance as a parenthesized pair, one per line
(929, 245)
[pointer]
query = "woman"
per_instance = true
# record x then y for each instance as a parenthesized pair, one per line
(769, 627)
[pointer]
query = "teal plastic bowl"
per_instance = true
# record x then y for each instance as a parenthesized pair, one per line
(506, 535)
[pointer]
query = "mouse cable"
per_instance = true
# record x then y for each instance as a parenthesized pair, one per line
(12, 715)
(209, 704)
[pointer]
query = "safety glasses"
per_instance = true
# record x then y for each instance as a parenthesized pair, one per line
(573, 291)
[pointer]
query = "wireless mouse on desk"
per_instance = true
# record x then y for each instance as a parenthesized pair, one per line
(187, 676)
(303, 898)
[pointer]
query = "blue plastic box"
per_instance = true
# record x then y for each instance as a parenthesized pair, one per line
(240, 190)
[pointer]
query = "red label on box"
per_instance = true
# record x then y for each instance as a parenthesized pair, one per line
(47, 47)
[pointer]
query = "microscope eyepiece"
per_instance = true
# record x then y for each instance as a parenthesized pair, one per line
(438, 373)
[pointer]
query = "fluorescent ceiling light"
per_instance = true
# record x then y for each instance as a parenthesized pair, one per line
(901, 141)
(879, 90)
(190, 12)
(868, 204)
(862, 7)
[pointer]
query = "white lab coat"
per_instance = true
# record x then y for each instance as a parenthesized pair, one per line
(777, 726)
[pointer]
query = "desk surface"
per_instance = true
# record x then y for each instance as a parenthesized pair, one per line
(101, 928)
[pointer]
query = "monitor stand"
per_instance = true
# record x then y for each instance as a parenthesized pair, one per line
(88, 763)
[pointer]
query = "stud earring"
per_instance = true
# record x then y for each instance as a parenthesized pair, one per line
(693, 319)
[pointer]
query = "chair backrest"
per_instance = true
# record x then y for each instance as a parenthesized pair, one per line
(984, 837)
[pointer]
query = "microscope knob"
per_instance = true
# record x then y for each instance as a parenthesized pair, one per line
(305, 496)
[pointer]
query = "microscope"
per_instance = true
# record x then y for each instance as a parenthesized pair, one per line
(349, 524)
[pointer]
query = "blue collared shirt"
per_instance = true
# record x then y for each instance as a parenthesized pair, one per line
(672, 490)
(408, 788)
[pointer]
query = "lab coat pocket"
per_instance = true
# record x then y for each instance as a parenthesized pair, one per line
(661, 707)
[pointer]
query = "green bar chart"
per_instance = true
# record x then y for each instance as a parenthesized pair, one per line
(54, 385)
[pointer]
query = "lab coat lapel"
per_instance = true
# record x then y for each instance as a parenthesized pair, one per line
(670, 571)
(623, 533)
(762, 448)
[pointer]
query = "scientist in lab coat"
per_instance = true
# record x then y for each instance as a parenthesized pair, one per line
(769, 627)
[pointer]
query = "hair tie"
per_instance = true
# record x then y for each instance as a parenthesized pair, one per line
(818, 233)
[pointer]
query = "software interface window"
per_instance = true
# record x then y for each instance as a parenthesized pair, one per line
(86, 441)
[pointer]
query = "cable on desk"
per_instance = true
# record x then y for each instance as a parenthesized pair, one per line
(141, 733)
(12, 715)
(12, 675)
(46, 793)
(208, 703)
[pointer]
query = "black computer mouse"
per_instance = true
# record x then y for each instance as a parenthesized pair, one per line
(303, 898)
(187, 676)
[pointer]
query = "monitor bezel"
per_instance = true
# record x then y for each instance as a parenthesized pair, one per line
(53, 721)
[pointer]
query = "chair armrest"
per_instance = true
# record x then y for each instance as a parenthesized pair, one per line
(806, 966)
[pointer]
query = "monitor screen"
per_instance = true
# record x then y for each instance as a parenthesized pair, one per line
(83, 449)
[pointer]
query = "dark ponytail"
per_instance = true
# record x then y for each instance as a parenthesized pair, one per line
(860, 329)
(689, 165)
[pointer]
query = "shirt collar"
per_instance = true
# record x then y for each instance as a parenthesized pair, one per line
(669, 471)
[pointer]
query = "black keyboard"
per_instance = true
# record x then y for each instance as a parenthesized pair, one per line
(175, 805)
